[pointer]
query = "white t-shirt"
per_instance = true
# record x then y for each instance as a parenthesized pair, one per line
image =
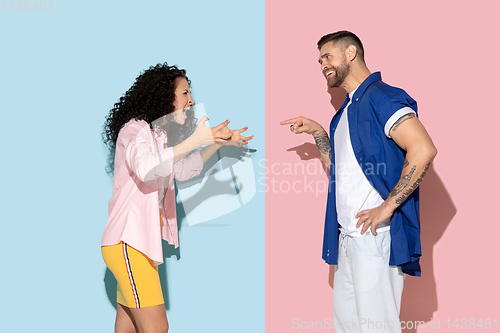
(354, 192)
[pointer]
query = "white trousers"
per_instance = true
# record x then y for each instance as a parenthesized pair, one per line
(366, 290)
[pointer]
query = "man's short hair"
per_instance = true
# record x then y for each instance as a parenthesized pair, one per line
(344, 39)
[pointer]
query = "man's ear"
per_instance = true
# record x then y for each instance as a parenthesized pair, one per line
(351, 52)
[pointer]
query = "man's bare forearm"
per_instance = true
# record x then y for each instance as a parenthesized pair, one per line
(414, 170)
(323, 143)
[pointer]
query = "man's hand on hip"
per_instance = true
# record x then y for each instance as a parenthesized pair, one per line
(371, 217)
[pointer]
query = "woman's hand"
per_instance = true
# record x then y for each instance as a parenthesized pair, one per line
(236, 138)
(221, 132)
(209, 135)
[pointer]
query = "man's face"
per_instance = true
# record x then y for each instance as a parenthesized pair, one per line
(334, 65)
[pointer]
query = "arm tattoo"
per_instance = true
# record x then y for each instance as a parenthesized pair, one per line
(402, 120)
(406, 163)
(403, 182)
(414, 186)
(323, 143)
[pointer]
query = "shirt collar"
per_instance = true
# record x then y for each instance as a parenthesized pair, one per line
(356, 93)
(359, 91)
(352, 93)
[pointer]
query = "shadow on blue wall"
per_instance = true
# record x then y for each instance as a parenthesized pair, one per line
(233, 155)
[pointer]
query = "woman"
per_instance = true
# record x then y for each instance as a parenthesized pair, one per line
(150, 131)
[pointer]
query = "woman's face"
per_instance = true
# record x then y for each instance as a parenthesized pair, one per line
(182, 101)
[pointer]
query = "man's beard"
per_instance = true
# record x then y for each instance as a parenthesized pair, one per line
(339, 76)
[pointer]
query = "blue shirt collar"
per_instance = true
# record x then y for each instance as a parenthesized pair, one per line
(360, 90)
(352, 93)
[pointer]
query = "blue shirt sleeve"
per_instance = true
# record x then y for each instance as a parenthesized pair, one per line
(395, 117)
(392, 105)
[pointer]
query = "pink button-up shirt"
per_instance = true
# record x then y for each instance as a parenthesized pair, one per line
(144, 168)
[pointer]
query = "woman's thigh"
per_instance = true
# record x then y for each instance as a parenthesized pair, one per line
(151, 319)
(124, 320)
(138, 282)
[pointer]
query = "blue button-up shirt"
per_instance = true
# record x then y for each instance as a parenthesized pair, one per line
(381, 160)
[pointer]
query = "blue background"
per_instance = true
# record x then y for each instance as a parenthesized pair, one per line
(60, 73)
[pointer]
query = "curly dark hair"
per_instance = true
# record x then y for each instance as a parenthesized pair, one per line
(151, 97)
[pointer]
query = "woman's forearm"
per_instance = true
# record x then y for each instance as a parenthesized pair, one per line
(208, 151)
(184, 148)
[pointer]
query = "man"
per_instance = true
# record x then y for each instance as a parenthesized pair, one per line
(381, 152)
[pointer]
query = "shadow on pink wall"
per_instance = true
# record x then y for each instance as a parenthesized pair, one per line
(436, 212)
(419, 300)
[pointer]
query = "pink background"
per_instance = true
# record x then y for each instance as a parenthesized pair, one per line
(446, 55)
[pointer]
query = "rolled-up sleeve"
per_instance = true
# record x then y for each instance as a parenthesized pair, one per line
(395, 117)
(188, 167)
(392, 104)
(148, 161)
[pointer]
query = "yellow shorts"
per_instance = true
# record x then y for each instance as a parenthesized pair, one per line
(136, 275)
